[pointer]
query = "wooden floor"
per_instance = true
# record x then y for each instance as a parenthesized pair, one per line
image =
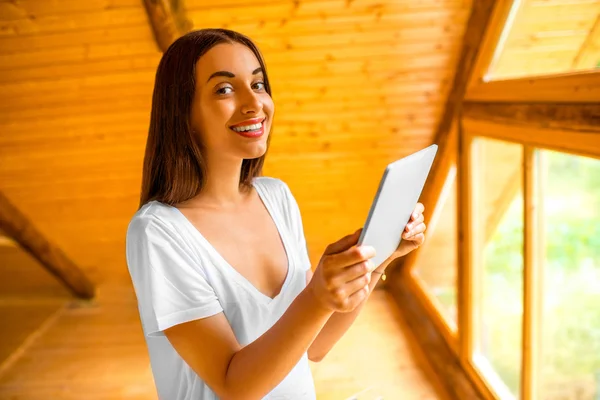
(53, 347)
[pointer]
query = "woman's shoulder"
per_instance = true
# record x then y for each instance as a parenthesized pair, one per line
(151, 217)
(274, 186)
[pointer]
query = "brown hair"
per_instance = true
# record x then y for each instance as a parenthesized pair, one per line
(174, 167)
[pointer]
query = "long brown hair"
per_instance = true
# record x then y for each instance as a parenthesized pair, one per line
(174, 167)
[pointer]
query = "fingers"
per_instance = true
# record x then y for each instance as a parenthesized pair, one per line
(360, 294)
(343, 244)
(419, 209)
(354, 271)
(419, 229)
(418, 240)
(351, 256)
(352, 293)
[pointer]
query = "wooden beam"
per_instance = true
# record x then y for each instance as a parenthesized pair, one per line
(533, 271)
(441, 356)
(476, 27)
(493, 41)
(168, 21)
(564, 140)
(581, 87)
(18, 227)
(574, 117)
(588, 56)
(448, 365)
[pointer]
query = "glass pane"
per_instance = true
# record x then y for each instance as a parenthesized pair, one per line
(437, 261)
(571, 318)
(548, 37)
(498, 261)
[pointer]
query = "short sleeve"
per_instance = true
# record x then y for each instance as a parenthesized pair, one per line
(297, 228)
(169, 283)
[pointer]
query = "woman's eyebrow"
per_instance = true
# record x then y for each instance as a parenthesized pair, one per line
(228, 74)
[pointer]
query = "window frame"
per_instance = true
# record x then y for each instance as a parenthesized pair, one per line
(565, 92)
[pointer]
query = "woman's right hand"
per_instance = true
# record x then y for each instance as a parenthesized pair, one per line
(341, 280)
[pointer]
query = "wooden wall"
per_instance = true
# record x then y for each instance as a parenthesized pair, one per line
(357, 84)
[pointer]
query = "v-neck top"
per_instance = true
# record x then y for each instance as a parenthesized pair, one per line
(178, 276)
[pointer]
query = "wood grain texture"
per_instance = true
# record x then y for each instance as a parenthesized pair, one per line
(19, 228)
(563, 116)
(356, 85)
(445, 137)
(168, 21)
(97, 351)
(442, 358)
(546, 38)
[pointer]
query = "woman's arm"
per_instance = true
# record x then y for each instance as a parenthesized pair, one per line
(339, 322)
(210, 348)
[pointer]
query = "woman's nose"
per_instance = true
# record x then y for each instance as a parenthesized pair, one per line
(251, 103)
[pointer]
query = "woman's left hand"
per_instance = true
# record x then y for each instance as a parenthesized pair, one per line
(413, 235)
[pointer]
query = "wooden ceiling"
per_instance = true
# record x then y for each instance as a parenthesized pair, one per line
(356, 84)
(548, 37)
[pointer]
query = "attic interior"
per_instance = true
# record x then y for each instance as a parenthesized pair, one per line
(500, 302)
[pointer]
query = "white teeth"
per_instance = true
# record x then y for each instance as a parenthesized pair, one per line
(248, 127)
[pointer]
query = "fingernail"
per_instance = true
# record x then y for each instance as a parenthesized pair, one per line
(367, 251)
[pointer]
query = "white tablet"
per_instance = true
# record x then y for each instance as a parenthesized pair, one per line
(396, 198)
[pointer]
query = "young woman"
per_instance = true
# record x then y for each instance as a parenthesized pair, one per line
(229, 305)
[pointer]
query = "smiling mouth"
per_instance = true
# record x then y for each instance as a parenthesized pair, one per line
(248, 128)
(253, 125)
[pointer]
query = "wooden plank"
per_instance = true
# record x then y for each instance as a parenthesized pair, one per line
(19, 228)
(24, 279)
(493, 42)
(588, 56)
(569, 117)
(22, 326)
(576, 87)
(168, 20)
(98, 362)
(13, 44)
(106, 18)
(197, 5)
(146, 64)
(477, 23)
(298, 13)
(36, 8)
(532, 279)
(442, 358)
(79, 54)
(569, 141)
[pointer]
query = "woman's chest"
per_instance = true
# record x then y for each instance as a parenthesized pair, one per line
(250, 243)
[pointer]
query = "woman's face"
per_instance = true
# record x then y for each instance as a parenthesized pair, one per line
(231, 110)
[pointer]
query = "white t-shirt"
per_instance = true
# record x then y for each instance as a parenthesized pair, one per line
(179, 277)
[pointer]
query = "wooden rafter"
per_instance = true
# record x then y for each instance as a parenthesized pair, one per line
(575, 117)
(579, 87)
(20, 229)
(447, 364)
(168, 21)
(478, 22)
(588, 56)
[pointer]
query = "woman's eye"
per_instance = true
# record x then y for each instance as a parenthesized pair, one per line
(259, 85)
(224, 90)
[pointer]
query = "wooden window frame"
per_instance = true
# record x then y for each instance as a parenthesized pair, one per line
(558, 112)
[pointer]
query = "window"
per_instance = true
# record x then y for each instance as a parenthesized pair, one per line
(570, 349)
(498, 261)
(437, 262)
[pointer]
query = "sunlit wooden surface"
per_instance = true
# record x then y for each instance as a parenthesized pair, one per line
(56, 348)
(356, 85)
(550, 37)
